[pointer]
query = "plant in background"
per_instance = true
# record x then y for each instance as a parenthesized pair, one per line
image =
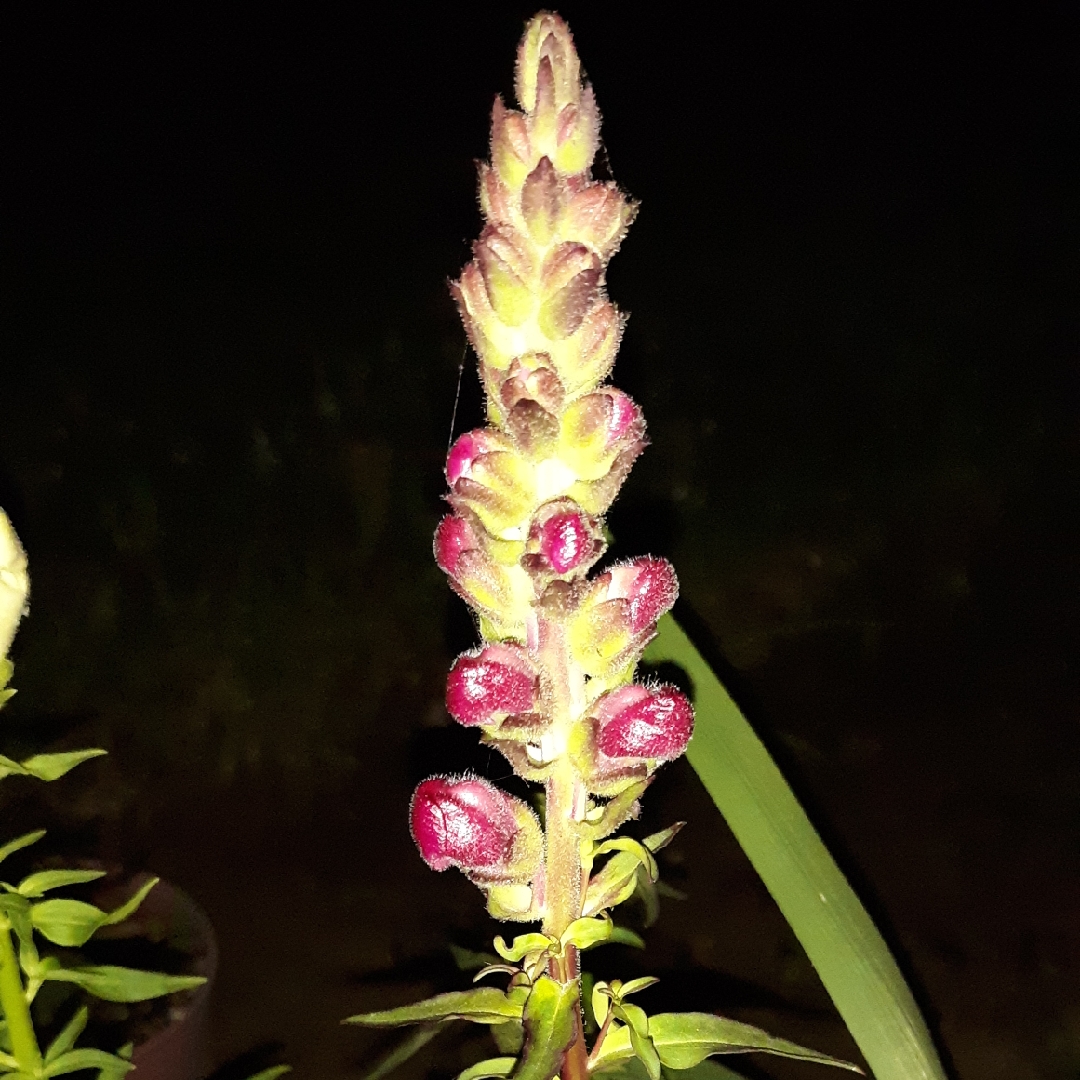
(28, 911)
(552, 685)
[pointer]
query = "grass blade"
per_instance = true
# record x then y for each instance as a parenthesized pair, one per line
(838, 935)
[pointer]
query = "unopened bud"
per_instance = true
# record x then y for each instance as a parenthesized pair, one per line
(547, 37)
(540, 201)
(507, 272)
(564, 537)
(471, 824)
(596, 429)
(486, 686)
(648, 585)
(597, 215)
(639, 722)
(14, 583)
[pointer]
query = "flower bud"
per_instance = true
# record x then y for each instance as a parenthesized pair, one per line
(639, 722)
(547, 38)
(648, 585)
(486, 686)
(598, 215)
(585, 358)
(596, 429)
(14, 583)
(490, 478)
(466, 822)
(511, 154)
(563, 538)
(507, 272)
(540, 201)
(531, 378)
(478, 576)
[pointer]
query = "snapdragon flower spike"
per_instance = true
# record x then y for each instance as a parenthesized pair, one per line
(490, 684)
(644, 722)
(469, 823)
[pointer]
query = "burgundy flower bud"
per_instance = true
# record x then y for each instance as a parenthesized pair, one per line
(466, 822)
(540, 201)
(530, 377)
(564, 537)
(453, 537)
(570, 280)
(490, 684)
(648, 585)
(638, 722)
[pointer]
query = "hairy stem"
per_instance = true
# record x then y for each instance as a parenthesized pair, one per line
(564, 810)
(16, 1009)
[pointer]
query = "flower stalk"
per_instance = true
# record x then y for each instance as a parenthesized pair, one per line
(16, 1008)
(552, 685)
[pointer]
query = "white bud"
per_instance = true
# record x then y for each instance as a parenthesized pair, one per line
(14, 583)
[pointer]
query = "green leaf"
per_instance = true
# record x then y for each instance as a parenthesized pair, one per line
(635, 986)
(20, 842)
(521, 946)
(87, 1058)
(549, 1028)
(509, 1037)
(272, 1073)
(53, 766)
(834, 928)
(621, 936)
(585, 933)
(684, 1039)
(611, 885)
(66, 1039)
(482, 1005)
(638, 850)
(468, 960)
(706, 1070)
(70, 923)
(660, 840)
(130, 906)
(38, 884)
(500, 1066)
(606, 819)
(8, 1063)
(112, 983)
(414, 1042)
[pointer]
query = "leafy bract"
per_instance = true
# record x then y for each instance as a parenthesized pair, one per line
(20, 842)
(75, 1060)
(66, 1039)
(38, 884)
(549, 1028)
(493, 1067)
(48, 766)
(683, 1040)
(482, 1005)
(834, 928)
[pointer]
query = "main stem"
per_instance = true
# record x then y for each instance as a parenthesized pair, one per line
(16, 1008)
(564, 810)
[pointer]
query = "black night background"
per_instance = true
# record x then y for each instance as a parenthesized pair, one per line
(229, 371)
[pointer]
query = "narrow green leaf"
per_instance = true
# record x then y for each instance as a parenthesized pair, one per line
(621, 936)
(684, 1039)
(66, 1039)
(500, 1066)
(7, 1062)
(53, 766)
(130, 906)
(412, 1044)
(20, 842)
(646, 1052)
(70, 923)
(483, 1005)
(601, 1002)
(706, 1070)
(272, 1073)
(617, 811)
(549, 1028)
(611, 885)
(38, 884)
(633, 1016)
(639, 850)
(521, 946)
(112, 983)
(834, 928)
(87, 1058)
(635, 986)
(509, 1037)
(660, 840)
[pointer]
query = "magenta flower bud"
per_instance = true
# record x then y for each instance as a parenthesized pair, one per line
(648, 585)
(624, 418)
(565, 540)
(490, 684)
(469, 823)
(453, 537)
(638, 722)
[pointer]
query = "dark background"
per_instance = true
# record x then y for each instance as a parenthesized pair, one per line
(229, 370)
